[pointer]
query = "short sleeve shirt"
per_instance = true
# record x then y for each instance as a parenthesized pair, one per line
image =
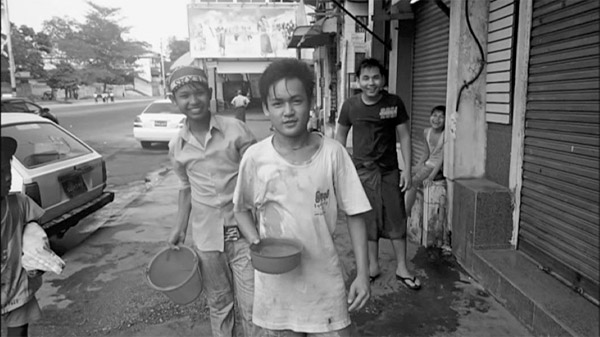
(210, 168)
(300, 201)
(374, 129)
(17, 211)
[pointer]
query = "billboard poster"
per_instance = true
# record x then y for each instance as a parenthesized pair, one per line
(241, 30)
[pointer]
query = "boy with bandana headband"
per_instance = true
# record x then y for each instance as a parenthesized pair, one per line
(206, 155)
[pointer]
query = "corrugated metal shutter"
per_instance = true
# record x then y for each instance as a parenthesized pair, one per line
(430, 68)
(500, 51)
(559, 222)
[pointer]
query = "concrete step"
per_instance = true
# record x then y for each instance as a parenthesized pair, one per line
(542, 303)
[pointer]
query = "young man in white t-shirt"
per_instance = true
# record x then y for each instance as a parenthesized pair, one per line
(294, 182)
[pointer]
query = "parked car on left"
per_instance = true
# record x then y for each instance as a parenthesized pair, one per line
(20, 104)
(61, 173)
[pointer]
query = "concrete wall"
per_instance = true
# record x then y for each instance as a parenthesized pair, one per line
(499, 142)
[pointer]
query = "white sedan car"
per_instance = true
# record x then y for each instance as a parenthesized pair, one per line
(159, 122)
(61, 173)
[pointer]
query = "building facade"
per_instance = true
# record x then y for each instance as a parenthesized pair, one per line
(520, 83)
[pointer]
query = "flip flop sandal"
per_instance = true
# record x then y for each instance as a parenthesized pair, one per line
(404, 281)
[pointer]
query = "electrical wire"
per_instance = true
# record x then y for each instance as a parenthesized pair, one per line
(481, 61)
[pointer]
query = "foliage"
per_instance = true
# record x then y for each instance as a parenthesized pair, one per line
(97, 46)
(28, 48)
(64, 76)
(177, 48)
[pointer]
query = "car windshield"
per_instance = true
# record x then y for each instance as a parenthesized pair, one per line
(156, 108)
(43, 143)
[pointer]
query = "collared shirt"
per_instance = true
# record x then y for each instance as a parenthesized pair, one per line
(210, 168)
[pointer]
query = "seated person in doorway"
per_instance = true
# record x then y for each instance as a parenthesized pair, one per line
(433, 156)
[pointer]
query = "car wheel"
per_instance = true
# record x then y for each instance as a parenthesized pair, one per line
(146, 145)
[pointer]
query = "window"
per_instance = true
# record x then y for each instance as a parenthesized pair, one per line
(157, 108)
(43, 143)
(14, 106)
(358, 28)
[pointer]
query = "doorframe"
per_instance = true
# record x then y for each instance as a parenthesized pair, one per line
(515, 181)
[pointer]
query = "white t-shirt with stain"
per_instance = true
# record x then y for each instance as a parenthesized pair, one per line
(300, 201)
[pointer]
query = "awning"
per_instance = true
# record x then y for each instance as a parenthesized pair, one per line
(319, 34)
(239, 67)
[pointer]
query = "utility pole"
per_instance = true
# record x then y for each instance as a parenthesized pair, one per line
(162, 69)
(11, 60)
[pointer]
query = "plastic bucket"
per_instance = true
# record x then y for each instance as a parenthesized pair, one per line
(176, 273)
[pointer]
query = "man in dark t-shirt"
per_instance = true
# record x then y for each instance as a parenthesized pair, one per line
(376, 117)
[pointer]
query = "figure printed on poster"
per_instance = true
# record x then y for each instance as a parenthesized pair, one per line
(227, 31)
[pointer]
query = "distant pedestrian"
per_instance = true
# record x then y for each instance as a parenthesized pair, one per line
(293, 183)
(206, 155)
(240, 102)
(376, 118)
(112, 96)
(19, 305)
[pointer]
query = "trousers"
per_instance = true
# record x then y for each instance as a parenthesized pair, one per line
(228, 278)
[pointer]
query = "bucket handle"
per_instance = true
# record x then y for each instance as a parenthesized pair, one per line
(196, 262)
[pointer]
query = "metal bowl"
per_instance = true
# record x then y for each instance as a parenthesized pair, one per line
(276, 256)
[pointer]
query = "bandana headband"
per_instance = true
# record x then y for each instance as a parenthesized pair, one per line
(184, 75)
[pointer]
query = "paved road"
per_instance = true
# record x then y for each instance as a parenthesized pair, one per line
(107, 127)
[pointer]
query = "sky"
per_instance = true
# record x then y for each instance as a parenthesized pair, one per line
(150, 20)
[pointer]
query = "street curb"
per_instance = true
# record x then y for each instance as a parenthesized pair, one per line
(92, 102)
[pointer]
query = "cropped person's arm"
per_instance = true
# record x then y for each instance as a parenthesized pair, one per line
(405, 146)
(183, 216)
(359, 289)
(247, 227)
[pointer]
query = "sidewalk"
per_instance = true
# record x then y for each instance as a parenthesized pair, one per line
(103, 291)
(91, 101)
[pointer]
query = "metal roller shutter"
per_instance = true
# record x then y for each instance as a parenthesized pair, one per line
(559, 222)
(430, 68)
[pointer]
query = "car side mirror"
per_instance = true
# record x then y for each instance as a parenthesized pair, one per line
(45, 110)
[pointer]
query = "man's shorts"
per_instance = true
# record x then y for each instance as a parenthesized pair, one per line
(387, 219)
(26, 314)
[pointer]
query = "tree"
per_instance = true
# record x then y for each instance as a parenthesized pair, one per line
(177, 48)
(28, 48)
(65, 76)
(97, 45)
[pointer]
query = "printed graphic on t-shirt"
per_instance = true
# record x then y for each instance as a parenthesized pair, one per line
(388, 112)
(321, 202)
